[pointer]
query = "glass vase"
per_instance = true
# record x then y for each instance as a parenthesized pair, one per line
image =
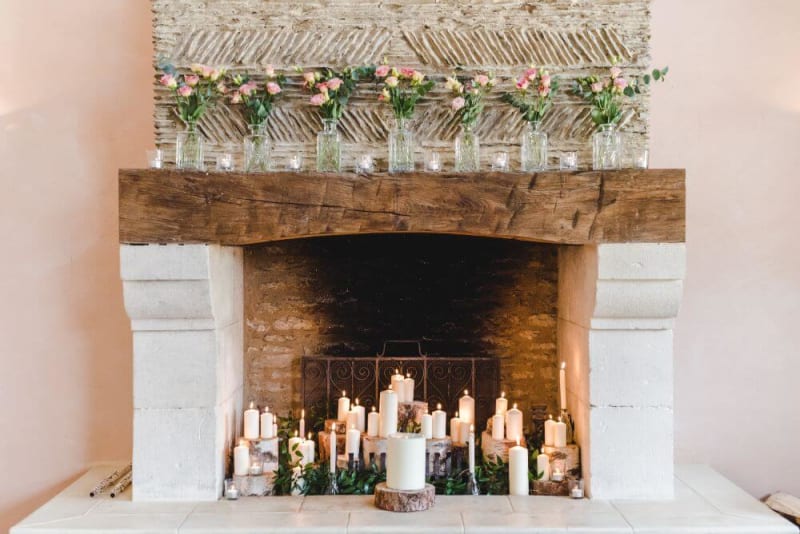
(401, 148)
(606, 147)
(189, 149)
(257, 149)
(468, 150)
(329, 147)
(533, 148)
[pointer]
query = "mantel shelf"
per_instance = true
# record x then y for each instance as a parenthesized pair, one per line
(232, 208)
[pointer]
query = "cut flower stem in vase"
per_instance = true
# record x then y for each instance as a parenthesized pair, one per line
(468, 150)
(401, 148)
(329, 147)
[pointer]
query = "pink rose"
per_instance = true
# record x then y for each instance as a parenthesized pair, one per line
(615, 72)
(597, 87)
(522, 83)
(191, 80)
(620, 83)
(392, 81)
(236, 97)
(530, 74)
(309, 78)
(545, 80)
(382, 71)
(207, 72)
(185, 90)
(168, 80)
(221, 88)
(457, 103)
(318, 99)
(247, 89)
(269, 71)
(544, 91)
(417, 77)
(405, 72)
(334, 84)
(482, 80)
(197, 68)
(273, 88)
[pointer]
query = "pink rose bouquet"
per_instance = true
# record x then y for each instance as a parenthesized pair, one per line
(331, 90)
(533, 94)
(194, 93)
(402, 89)
(468, 95)
(258, 99)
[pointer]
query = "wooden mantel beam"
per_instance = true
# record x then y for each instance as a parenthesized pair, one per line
(170, 206)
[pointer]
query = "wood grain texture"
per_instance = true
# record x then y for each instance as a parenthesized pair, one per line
(168, 206)
(394, 500)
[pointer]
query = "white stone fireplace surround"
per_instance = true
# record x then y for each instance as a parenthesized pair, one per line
(616, 308)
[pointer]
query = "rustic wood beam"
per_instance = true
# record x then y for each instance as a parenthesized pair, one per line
(170, 206)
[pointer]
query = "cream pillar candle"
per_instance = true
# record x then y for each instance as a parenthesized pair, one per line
(343, 407)
(518, 470)
(302, 423)
(562, 385)
(295, 453)
(560, 434)
(463, 431)
(466, 408)
(388, 413)
(549, 432)
(398, 387)
(350, 420)
(439, 423)
(514, 424)
(501, 404)
(332, 448)
(471, 444)
(405, 461)
(241, 458)
(455, 428)
(361, 420)
(373, 423)
(266, 424)
(353, 441)
(309, 451)
(427, 425)
(543, 466)
(251, 421)
(408, 388)
(498, 427)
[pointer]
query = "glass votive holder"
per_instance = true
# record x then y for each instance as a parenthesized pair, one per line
(558, 470)
(500, 161)
(433, 161)
(295, 162)
(365, 164)
(225, 162)
(568, 161)
(231, 491)
(640, 158)
(576, 489)
(155, 158)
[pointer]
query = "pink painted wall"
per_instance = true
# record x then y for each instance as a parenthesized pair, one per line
(75, 106)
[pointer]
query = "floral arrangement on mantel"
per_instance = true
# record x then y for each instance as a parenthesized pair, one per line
(468, 103)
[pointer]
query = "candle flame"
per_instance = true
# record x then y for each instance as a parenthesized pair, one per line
(559, 418)
(456, 415)
(302, 414)
(408, 375)
(356, 401)
(390, 387)
(295, 433)
(352, 427)
(551, 416)
(252, 405)
(466, 392)
(396, 371)
(472, 428)
(333, 428)
(242, 442)
(266, 409)
(373, 408)
(515, 405)
(503, 394)
(309, 436)
(517, 442)
(563, 365)
(344, 393)
(438, 405)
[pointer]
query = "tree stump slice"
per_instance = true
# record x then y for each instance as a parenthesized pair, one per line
(493, 449)
(549, 487)
(404, 500)
(268, 447)
(255, 485)
(571, 454)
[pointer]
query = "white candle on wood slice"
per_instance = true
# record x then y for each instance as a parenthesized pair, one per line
(405, 461)
(427, 425)
(463, 431)
(251, 420)
(266, 424)
(309, 451)
(302, 423)
(560, 436)
(408, 388)
(397, 386)
(332, 448)
(543, 466)
(466, 408)
(455, 428)
(439, 423)
(353, 441)
(501, 404)
(241, 458)
(514, 424)
(343, 407)
(388, 411)
(550, 432)
(498, 427)
(361, 420)
(518, 470)
(562, 385)
(295, 453)
(471, 448)
(373, 423)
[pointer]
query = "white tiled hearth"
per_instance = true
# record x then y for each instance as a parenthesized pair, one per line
(705, 502)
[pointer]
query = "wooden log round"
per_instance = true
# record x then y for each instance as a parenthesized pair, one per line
(394, 500)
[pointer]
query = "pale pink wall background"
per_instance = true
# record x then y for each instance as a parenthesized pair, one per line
(75, 106)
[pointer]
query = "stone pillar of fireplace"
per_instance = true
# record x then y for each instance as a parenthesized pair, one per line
(616, 310)
(185, 306)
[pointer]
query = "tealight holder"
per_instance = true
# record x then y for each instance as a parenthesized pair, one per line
(568, 161)
(558, 470)
(500, 161)
(225, 162)
(295, 162)
(433, 161)
(231, 490)
(155, 158)
(640, 158)
(576, 488)
(365, 164)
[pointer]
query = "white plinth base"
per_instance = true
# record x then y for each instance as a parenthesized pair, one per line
(704, 502)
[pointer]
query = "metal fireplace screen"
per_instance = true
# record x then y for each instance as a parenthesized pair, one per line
(438, 379)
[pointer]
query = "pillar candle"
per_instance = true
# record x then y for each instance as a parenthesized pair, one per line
(295, 453)
(405, 461)
(408, 388)
(309, 451)
(471, 448)
(427, 426)
(388, 413)
(332, 448)
(373, 423)
(251, 420)
(361, 417)
(266, 424)
(562, 385)
(560, 434)
(350, 419)
(543, 466)
(518, 470)
(463, 431)
(501, 404)
(297, 481)
(343, 407)
(241, 458)
(353, 441)
(302, 422)
(466, 408)
(514, 424)
(498, 427)
(549, 432)
(397, 386)
(439, 423)
(455, 428)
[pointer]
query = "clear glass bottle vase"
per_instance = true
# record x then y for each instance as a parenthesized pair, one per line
(468, 150)
(533, 148)
(606, 147)
(329, 147)
(189, 148)
(257, 149)
(401, 148)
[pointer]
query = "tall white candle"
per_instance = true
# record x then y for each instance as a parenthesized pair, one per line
(466, 408)
(471, 448)
(332, 448)
(455, 428)
(266, 424)
(560, 435)
(427, 425)
(408, 388)
(514, 424)
(518, 470)
(463, 431)
(388, 411)
(397, 386)
(361, 419)
(501, 404)
(550, 432)
(498, 427)
(275, 428)
(405, 461)
(295, 453)
(241, 458)
(297, 481)
(373, 423)
(251, 420)
(308, 447)
(351, 418)
(302, 423)
(343, 407)
(352, 441)
(439, 423)
(543, 466)
(562, 384)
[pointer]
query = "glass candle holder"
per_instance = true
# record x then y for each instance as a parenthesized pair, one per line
(576, 489)
(231, 491)
(433, 161)
(500, 161)
(558, 469)
(256, 468)
(225, 162)
(568, 161)
(365, 164)
(155, 158)
(295, 163)
(640, 158)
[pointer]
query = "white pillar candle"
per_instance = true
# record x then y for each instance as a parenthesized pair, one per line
(501, 404)
(350, 419)
(295, 454)
(466, 408)
(266, 424)
(405, 461)
(455, 428)
(302, 423)
(241, 458)
(343, 407)
(514, 424)
(251, 420)
(332, 448)
(297, 481)
(439, 423)
(352, 441)
(397, 386)
(471, 448)
(463, 431)
(361, 419)
(550, 432)
(543, 466)
(560, 435)
(388, 411)
(408, 388)
(373, 423)
(498, 427)
(309, 451)
(427, 425)
(562, 385)
(518, 470)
